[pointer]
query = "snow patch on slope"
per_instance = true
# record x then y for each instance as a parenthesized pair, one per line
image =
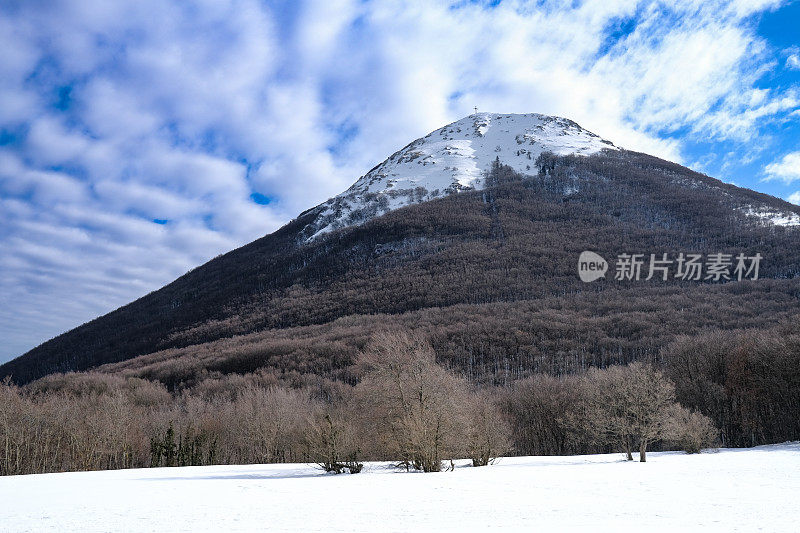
(452, 159)
(771, 216)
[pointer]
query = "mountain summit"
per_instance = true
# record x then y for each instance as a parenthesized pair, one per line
(453, 158)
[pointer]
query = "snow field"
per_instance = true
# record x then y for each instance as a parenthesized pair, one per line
(727, 490)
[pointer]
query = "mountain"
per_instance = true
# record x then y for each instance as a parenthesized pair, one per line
(471, 234)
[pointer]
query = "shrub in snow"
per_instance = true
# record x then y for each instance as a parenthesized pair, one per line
(333, 442)
(690, 431)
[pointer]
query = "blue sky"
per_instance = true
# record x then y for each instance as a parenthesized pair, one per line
(140, 138)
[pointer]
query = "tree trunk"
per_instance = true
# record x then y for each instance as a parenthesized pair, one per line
(643, 452)
(627, 444)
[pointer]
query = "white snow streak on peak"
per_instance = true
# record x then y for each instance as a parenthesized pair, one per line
(451, 159)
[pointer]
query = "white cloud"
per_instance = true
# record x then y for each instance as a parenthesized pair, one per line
(786, 170)
(49, 142)
(793, 62)
(150, 200)
(179, 112)
(794, 198)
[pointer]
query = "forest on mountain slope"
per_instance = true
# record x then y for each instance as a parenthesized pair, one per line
(502, 259)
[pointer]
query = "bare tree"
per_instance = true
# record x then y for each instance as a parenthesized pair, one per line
(417, 405)
(630, 405)
(333, 440)
(544, 415)
(489, 434)
(271, 422)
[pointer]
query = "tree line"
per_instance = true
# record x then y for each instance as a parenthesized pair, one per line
(405, 407)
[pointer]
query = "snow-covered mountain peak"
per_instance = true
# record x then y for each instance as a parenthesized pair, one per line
(453, 158)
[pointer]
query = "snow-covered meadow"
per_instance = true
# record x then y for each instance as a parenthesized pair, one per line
(726, 490)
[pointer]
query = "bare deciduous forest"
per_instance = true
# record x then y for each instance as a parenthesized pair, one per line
(406, 407)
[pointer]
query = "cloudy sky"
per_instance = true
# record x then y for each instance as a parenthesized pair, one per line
(140, 138)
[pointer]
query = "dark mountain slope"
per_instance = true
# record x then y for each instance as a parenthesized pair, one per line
(493, 342)
(514, 243)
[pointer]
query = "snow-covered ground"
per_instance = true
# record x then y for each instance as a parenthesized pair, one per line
(728, 490)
